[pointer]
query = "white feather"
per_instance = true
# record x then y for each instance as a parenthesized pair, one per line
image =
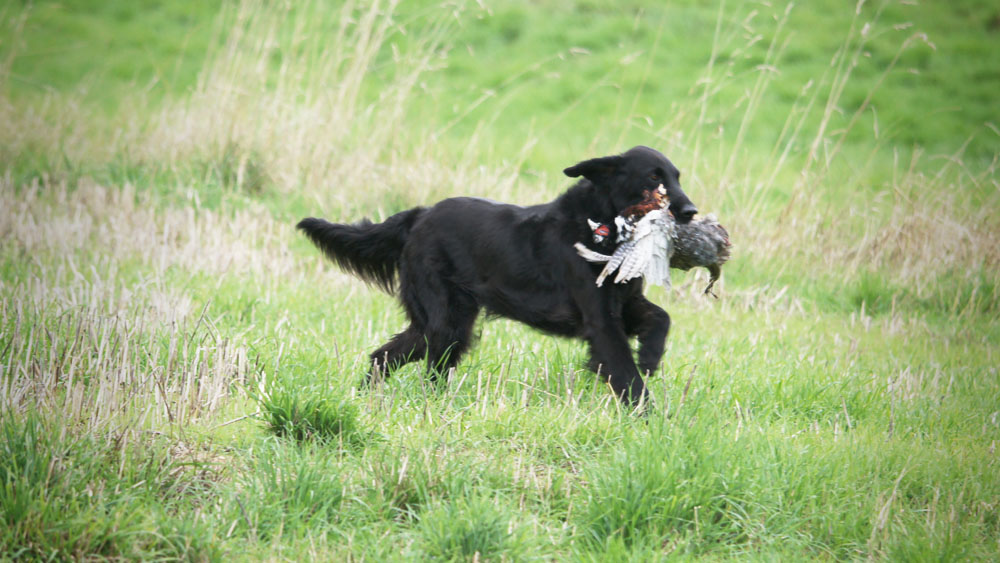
(645, 250)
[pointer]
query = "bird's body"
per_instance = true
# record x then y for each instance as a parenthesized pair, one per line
(702, 243)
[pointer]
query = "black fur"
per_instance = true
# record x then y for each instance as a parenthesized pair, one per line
(466, 254)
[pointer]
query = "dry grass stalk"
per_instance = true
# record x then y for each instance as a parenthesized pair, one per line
(97, 372)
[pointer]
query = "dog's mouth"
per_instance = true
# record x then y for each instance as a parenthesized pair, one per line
(683, 220)
(684, 215)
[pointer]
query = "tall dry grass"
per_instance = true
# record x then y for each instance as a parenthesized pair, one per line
(936, 215)
(310, 122)
(114, 373)
(92, 328)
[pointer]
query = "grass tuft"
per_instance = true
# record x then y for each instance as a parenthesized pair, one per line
(288, 489)
(298, 415)
(467, 529)
(239, 170)
(668, 484)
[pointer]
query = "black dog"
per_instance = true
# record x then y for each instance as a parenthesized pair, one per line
(465, 254)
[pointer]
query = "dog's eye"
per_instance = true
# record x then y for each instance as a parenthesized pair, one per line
(654, 177)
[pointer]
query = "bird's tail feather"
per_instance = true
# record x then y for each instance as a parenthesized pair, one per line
(590, 255)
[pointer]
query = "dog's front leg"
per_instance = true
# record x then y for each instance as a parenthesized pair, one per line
(612, 358)
(650, 324)
(604, 330)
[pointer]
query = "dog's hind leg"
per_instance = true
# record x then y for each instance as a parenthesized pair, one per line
(403, 348)
(444, 313)
(449, 332)
(650, 324)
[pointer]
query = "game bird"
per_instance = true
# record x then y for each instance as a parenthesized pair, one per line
(650, 242)
(703, 243)
(645, 241)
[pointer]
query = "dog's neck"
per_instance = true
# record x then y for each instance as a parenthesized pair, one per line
(586, 201)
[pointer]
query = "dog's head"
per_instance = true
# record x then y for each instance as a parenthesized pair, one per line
(626, 176)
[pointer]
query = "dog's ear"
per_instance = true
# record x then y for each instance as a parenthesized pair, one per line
(596, 168)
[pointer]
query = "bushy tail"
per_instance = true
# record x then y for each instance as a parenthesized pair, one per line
(369, 250)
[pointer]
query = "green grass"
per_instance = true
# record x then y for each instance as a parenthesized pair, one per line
(538, 71)
(459, 531)
(180, 370)
(289, 411)
(98, 496)
(110, 51)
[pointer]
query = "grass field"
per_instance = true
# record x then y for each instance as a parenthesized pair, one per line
(179, 368)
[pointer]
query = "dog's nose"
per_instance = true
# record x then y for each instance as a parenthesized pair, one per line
(684, 214)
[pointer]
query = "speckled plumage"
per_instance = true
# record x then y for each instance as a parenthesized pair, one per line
(702, 243)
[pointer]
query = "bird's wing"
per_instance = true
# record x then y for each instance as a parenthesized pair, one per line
(650, 255)
(645, 248)
(635, 263)
(621, 254)
(645, 242)
(658, 270)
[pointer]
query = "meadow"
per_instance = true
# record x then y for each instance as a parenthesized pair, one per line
(179, 368)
